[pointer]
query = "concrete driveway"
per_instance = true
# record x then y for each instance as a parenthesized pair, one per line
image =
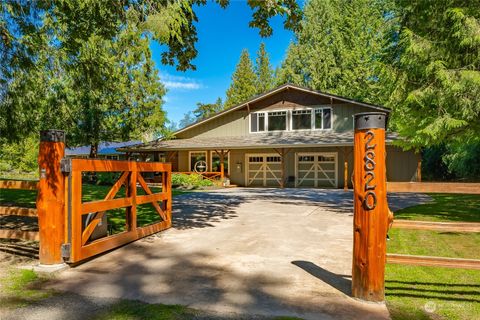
(240, 251)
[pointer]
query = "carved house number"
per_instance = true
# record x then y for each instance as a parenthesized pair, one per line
(370, 200)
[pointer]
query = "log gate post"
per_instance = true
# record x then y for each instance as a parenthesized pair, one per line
(370, 222)
(51, 196)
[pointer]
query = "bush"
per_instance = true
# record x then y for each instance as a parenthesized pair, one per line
(190, 181)
(106, 178)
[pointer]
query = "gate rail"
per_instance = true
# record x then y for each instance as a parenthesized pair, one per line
(18, 211)
(77, 246)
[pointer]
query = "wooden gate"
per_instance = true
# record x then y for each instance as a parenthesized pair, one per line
(68, 226)
(78, 245)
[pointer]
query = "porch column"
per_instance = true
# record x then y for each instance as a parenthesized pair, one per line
(222, 166)
(419, 169)
(346, 154)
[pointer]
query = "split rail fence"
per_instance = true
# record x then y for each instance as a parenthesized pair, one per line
(435, 187)
(18, 211)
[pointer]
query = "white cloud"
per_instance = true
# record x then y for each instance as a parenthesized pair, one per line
(179, 82)
(182, 85)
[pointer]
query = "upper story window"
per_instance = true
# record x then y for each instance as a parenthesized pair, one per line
(291, 120)
(301, 119)
(323, 118)
(277, 121)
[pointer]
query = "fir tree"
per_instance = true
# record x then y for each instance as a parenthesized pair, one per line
(263, 71)
(244, 80)
(436, 103)
(205, 110)
(339, 47)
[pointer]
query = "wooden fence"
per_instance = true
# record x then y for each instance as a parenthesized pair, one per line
(434, 187)
(18, 211)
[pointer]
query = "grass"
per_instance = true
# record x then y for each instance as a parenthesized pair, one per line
(133, 310)
(19, 288)
(435, 293)
(116, 218)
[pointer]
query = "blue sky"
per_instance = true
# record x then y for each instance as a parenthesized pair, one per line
(222, 34)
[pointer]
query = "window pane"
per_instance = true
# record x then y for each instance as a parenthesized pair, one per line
(261, 122)
(277, 121)
(196, 157)
(327, 118)
(253, 122)
(301, 119)
(318, 119)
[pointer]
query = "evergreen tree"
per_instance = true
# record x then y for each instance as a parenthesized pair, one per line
(339, 49)
(205, 110)
(438, 93)
(244, 80)
(188, 119)
(437, 101)
(85, 65)
(263, 71)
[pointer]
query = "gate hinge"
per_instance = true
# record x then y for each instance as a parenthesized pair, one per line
(66, 165)
(66, 249)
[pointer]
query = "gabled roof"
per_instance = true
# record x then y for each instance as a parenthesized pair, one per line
(287, 86)
(106, 147)
(326, 138)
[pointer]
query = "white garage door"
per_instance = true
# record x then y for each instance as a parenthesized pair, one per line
(263, 170)
(316, 170)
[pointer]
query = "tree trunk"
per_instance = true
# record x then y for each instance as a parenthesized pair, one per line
(93, 150)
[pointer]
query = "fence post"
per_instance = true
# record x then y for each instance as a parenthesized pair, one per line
(51, 196)
(370, 207)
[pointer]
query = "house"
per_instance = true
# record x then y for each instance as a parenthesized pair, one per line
(290, 136)
(106, 150)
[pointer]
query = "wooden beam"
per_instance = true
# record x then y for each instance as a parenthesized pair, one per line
(51, 196)
(437, 226)
(18, 211)
(428, 261)
(19, 234)
(370, 220)
(18, 184)
(419, 170)
(434, 187)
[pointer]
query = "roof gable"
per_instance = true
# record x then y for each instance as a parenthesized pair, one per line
(278, 90)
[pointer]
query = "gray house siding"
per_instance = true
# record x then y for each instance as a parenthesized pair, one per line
(236, 123)
(401, 166)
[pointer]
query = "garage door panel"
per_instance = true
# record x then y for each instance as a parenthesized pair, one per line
(264, 170)
(316, 170)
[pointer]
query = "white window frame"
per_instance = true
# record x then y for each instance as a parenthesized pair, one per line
(289, 116)
(190, 159)
(265, 128)
(211, 161)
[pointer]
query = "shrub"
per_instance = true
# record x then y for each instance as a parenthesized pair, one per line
(106, 178)
(190, 181)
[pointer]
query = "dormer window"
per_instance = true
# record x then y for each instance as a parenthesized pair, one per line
(301, 119)
(277, 121)
(291, 120)
(257, 122)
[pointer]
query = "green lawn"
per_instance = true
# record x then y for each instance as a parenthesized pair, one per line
(435, 293)
(116, 218)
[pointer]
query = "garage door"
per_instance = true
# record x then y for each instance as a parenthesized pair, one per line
(263, 170)
(316, 170)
